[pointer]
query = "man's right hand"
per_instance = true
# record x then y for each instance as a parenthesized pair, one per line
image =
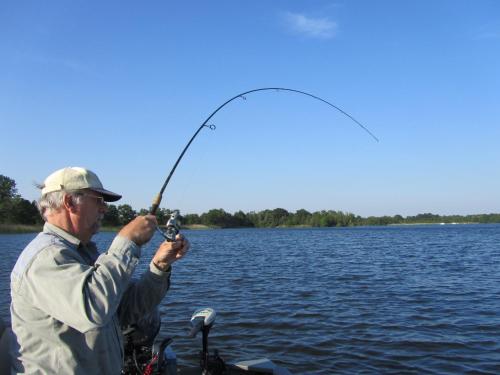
(140, 230)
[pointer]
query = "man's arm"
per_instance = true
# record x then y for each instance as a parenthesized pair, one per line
(81, 296)
(84, 297)
(143, 296)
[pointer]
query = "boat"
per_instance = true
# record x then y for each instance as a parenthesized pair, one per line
(147, 354)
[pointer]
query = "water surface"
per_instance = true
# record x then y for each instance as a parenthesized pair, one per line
(367, 300)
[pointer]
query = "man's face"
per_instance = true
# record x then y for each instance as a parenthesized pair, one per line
(91, 212)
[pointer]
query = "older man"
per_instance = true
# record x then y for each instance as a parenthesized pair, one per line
(68, 300)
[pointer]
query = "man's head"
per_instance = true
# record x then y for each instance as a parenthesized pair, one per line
(74, 199)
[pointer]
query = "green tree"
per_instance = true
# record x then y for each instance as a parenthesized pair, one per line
(163, 214)
(8, 192)
(191, 219)
(126, 214)
(302, 217)
(111, 217)
(216, 217)
(24, 212)
(7, 188)
(279, 216)
(240, 219)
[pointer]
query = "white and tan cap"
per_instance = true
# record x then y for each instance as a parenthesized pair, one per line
(76, 178)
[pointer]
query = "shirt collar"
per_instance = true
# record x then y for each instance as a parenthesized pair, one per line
(51, 228)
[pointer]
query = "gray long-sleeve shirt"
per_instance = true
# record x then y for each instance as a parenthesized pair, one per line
(69, 301)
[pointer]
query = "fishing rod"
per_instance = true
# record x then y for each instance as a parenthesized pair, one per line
(158, 198)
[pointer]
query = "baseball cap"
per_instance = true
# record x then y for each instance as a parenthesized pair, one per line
(77, 178)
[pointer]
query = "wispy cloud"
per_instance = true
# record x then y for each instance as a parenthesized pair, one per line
(311, 27)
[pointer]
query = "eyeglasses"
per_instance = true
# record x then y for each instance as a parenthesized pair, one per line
(100, 200)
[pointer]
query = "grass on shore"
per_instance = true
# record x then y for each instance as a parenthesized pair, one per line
(20, 228)
(194, 226)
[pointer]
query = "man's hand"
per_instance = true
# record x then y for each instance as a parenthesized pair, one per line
(140, 230)
(169, 252)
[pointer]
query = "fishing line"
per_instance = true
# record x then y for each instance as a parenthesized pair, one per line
(194, 172)
(158, 198)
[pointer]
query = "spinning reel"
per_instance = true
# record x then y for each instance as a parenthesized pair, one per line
(172, 227)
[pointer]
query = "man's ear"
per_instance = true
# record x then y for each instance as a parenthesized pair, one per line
(69, 203)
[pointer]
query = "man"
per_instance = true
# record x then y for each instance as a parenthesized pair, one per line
(68, 300)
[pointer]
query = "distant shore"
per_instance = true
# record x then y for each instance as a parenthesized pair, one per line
(19, 228)
(405, 224)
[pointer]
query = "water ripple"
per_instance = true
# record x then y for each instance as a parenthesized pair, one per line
(391, 300)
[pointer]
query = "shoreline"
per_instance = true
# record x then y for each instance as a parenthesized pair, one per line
(443, 223)
(19, 228)
(22, 229)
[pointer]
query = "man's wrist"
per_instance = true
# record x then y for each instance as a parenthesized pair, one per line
(163, 266)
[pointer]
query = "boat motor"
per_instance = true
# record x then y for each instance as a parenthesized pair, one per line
(202, 320)
(148, 354)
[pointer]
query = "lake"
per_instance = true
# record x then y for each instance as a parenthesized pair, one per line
(364, 300)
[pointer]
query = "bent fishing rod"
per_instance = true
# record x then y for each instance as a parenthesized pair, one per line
(158, 198)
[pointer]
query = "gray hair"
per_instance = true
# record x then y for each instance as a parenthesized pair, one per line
(54, 201)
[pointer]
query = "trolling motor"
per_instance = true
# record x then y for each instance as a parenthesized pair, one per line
(147, 354)
(202, 320)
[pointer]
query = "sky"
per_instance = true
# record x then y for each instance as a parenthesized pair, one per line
(119, 87)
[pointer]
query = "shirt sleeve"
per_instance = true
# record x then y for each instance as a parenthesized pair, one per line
(82, 296)
(144, 295)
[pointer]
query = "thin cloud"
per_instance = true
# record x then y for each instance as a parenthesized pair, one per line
(322, 28)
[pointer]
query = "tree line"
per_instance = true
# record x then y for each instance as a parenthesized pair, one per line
(279, 217)
(16, 210)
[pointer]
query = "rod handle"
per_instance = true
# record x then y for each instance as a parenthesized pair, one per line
(155, 205)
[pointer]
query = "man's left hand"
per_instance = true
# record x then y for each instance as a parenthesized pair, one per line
(170, 252)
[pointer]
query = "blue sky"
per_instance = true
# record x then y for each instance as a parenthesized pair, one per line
(119, 87)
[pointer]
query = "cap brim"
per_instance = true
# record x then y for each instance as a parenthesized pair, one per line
(108, 196)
